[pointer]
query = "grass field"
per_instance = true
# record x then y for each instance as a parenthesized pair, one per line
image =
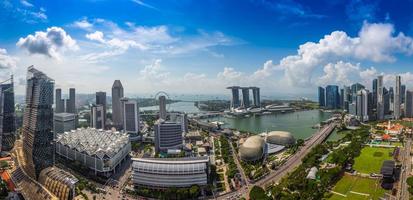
(351, 185)
(371, 159)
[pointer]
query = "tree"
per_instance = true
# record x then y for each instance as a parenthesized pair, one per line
(257, 193)
(4, 164)
(194, 191)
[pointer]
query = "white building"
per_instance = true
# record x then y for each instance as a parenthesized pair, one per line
(170, 172)
(362, 105)
(162, 107)
(63, 122)
(99, 150)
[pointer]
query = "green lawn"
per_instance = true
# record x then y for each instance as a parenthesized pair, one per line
(371, 159)
(357, 184)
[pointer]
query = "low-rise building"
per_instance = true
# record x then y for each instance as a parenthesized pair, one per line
(170, 172)
(59, 182)
(97, 149)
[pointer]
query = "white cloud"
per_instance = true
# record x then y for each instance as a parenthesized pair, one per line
(154, 72)
(96, 36)
(139, 2)
(82, 24)
(375, 42)
(6, 61)
(26, 3)
(49, 43)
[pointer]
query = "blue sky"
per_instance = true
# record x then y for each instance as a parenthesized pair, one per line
(285, 47)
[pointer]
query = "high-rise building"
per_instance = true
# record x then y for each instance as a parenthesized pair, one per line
(59, 102)
(342, 98)
(370, 106)
(130, 115)
(185, 123)
(402, 93)
(245, 97)
(235, 102)
(397, 98)
(354, 89)
(332, 97)
(391, 99)
(71, 102)
(321, 97)
(386, 100)
(8, 127)
(256, 96)
(362, 105)
(101, 100)
(168, 135)
(64, 122)
(162, 107)
(97, 117)
(347, 98)
(117, 94)
(38, 123)
(380, 98)
(408, 107)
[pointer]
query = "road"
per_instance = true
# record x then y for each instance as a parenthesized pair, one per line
(293, 162)
(406, 169)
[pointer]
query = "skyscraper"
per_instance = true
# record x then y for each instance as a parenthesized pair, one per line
(408, 107)
(332, 97)
(380, 98)
(347, 98)
(117, 94)
(256, 96)
(235, 102)
(397, 98)
(321, 97)
(97, 116)
(354, 89)
(8, 130)
(130, 115)
(101, 100)
(391, 99)
(403, 93)
(386, 101)
(38, 123)
(168, 135)
(362, 105)
(162, 107)
(245, 97)
(71, 102)
(59, 102)
(342, 98)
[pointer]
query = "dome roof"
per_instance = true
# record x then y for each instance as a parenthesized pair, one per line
(280, 138)
(252, 149)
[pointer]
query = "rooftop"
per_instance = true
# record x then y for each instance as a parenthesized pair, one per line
(94, 141)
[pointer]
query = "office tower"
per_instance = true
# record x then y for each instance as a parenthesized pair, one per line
(380, 98)
(362, 105)
(101, 100)
(8, 128)
(347, 98)
(386, 100)
(332, 97)
(402, 94)
(71, 102)
(38, 123)
(354, 89)
(235, 102)
(117, 94)
(408, 107)
(97, 116)
(397, 98)
(391, 99)
(168, 135)
(370, 109)
(130, 116)
(162, 107)
(245, 97)
(59, 102)
(64, 122)
(321, 97)
(342, 98)
(256, 96)
(374, 92)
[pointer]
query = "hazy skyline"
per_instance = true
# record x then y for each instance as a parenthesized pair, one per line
(199, 47)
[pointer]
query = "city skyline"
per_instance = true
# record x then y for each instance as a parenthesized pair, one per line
(151, 52)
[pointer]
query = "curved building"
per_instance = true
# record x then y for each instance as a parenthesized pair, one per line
(170, 172)
(252, 149)
(59, 182)
(283, 138)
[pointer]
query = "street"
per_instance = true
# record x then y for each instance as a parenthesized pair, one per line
(406, 169)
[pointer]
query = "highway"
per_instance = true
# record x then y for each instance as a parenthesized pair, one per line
(406, 169)
(293, 162)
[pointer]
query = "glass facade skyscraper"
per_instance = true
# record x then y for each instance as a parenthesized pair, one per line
(38, 123)
(332, 97)
(8, 127)
(321, 97)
